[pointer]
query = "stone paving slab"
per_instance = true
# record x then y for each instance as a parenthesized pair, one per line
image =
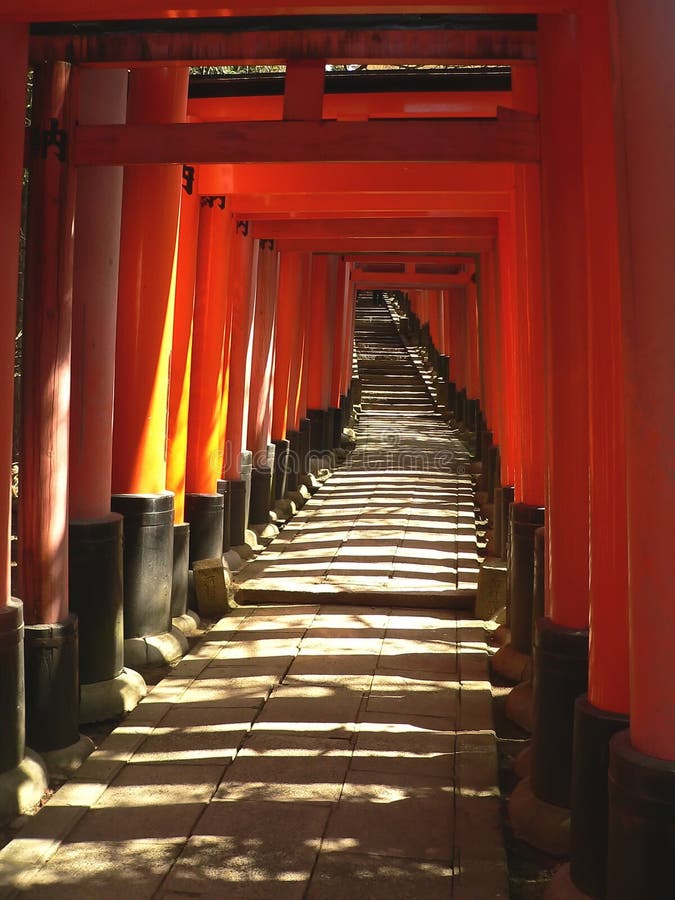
(325, 787)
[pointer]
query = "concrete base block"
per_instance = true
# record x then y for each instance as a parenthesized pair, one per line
(245, 553)
(299, 497)
(213, 586)
(311, 482)
(154, 650)
(66, 761)
(518, 706)
(251, 539)
(265, 533)
(491, 594)
(512, 665)
(522, 764)
(561, 887)
(22, 787)
(285, 509)
(233, 561)
(188, 623)
(540, 824)
(110, 699)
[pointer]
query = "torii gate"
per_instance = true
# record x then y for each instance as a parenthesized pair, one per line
(601, 241)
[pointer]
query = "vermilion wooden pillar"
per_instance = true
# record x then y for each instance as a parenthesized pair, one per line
(603, 712)
(179, 394)
(288, 311)
(560, 660)
(642, 770)
(211, 314)
(508, 338)
(241, 298)
(341, 317)
(52, 695)
(182, 344)
(22, 782)
(260, 393)
(95, 533)
(150, 209)
(262, 364)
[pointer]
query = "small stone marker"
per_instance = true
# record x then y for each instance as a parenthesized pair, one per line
(213, 588)
(491, 595)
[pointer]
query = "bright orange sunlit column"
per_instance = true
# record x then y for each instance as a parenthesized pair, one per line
(181, 352)
(242, 298)
(151, 203)
(215, 235)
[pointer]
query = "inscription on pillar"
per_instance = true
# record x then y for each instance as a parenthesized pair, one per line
(55, 137)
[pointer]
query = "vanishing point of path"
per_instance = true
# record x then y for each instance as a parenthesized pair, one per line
(333, 749)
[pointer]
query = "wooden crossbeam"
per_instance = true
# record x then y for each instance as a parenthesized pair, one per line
(353, 204)
(399, 280)
(508, 138)
(337, 45)
(347, 245)
(376, 228)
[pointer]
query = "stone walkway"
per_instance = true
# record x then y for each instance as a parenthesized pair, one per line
(331, 751)
(298, 752)
(396, 524)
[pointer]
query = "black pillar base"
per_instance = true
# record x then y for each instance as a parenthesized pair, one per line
(317, 427)
(641, 842)
(460, 405)
(282, 448)
(338, 425)
(593, 729)
(471, 413)
(525, 520)
(493, 472)
(329, 428)
(245, 467)
(261, 493)
(237, 512)
(96, 595)
(305, 426)
(148, 562)
(181, 565)
(12, 688)
(204, 512)
(560, 676)
(539, 582)
(293, 461)
(52, 685)
(223, 488)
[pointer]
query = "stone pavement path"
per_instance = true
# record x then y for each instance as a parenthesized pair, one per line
(396, 524)
(318, 752)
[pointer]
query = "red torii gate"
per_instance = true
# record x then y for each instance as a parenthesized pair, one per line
(586, 223)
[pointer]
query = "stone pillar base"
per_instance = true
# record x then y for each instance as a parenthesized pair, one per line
(110, 699)
(491, 594)
(22, 787)
(512, 665)
(593, 729)
(641, 838)
(65, 761)
(155, 650)
(540, 824)
(519, 705)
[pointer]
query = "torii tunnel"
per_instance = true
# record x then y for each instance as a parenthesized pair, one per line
(192, 251)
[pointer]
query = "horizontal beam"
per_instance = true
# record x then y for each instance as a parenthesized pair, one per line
(88, 10)
(400, 104)
(376, 228)
(507, 139)
(321, 180)
(423, 282)
(346, 245)
(339, 45)
(369, 259)
(353, 205)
